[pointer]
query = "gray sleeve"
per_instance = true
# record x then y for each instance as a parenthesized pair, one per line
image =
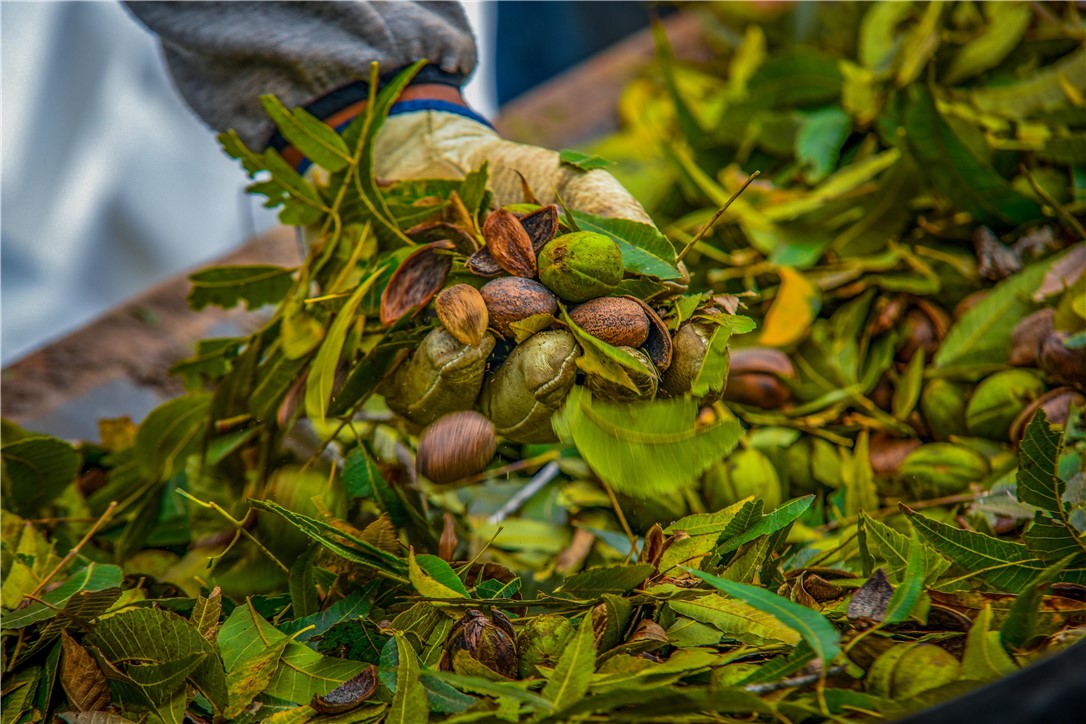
(224, 55)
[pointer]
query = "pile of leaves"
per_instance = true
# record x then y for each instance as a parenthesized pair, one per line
(891, 511)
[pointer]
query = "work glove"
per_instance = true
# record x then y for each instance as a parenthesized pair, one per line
(437, 144)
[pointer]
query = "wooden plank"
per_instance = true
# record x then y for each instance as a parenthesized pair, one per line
(127, 351)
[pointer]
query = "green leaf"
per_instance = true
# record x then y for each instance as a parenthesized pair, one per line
(258, 655)
(985, 658)
(860, 491)
(228, 286)
(737, 620)
(608, 579)
(907, 390)
(285, 188)
(768, 524)
(572, 675)
(896, 549)
(841, 184)
(1038, 483)
(583, 161)
(434, 578)
(498, 689)
(713, 370)
(1007, 23)
(251, 658)
(1038, 92)
(688, 122)
(880, 35)
(1053, 540)
(19, 691)
(644, 249)
(956, 172)
(36, 470)
(206, 613)
(360, 137)
(144, 636)
(644, 449)
(473, 189)
(717, 522)
(158, 682)
(309, 135)
(322, 373)
(818, 632)
(93, 577)
(796, 79)
(919, 44)
(1020, 626)
(363, 479)
(409, 702)
(343, 544)
(982, 335)
(170, 433)
(819, 142)
(600, 358)
(1003, 564)
(908, 593)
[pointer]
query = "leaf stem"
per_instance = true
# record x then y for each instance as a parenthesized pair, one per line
(531, 462)
(238, 525)
(1057, 207)
(75, 551)
(720, 212)
(548, 473)
(919, 505)
(621, 518)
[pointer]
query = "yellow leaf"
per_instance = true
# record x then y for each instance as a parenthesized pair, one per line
(795, 307)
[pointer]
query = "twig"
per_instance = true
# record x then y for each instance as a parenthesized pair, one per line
(720, 212)
(506, 469)
(546, 474)
(919, 505)
(1061, 212)
(803, 680)
(621, 519)
(75, 551)
(239, 526)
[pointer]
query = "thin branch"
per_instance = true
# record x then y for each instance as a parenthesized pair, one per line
(239, 526)
(75, 551)
(546, 474)
(720, 212)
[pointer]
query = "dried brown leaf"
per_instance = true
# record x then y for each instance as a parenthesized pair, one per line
(1062, 274)
(871, 599)
(84, 683)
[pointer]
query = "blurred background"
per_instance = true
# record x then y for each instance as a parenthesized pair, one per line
(111, 184)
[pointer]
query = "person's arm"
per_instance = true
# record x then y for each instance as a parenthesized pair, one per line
(224, 55)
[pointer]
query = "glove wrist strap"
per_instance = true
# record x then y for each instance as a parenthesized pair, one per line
(427, 92)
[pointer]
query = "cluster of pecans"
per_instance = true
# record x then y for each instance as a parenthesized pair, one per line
(503, 356)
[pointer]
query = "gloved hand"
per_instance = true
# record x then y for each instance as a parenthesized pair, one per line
(436, 144)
